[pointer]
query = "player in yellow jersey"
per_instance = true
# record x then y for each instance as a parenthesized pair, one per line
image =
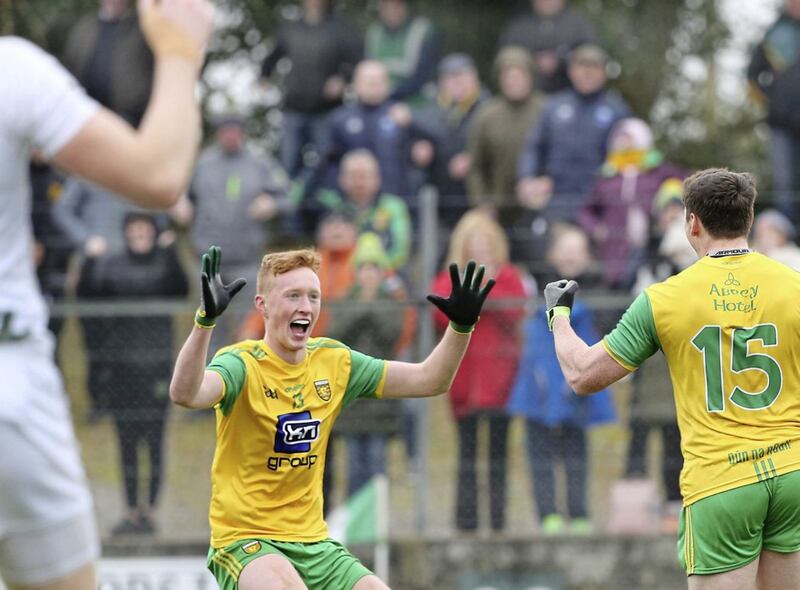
(729, 327)
(276, 400)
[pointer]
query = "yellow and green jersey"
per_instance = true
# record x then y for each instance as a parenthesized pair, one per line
(729, 327)
(273, 425)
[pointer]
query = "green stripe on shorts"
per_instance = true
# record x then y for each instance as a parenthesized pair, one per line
(728, 530)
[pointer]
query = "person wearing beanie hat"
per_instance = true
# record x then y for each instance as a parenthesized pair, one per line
(498, 132)
(370, 250)
(368, 319)
(620, 209)
(774, 236)
(447, 121)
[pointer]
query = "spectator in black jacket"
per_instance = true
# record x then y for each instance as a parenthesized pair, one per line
(774, 75)
(107, 53)
(550, 32)
(140, 349)
(323, 49)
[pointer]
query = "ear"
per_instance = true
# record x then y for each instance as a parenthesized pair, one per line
(695, 225)
(261, 304)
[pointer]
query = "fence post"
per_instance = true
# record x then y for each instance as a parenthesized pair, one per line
(427, 249)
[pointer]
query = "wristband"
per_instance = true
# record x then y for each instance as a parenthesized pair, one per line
(201, 321)
(561, 310)
(166, 38)
(461, 329)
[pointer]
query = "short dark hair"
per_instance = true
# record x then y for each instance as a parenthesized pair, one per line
(723, 200)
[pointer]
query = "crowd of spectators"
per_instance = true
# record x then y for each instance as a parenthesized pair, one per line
(549, 176)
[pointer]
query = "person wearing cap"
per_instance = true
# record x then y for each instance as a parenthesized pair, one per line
(774, 235)
(447, 122)
(619, 211)
(497, 134)
(407, 44)
(368, 320)
(568, 144)
(549, 31)
(233, 196)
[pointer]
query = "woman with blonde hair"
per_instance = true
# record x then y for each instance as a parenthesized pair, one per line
(483, 382)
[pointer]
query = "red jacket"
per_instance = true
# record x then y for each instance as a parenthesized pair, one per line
(489, 367)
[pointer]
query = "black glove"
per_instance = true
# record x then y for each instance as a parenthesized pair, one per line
(558, 298)
(463, 307)
(214, 296)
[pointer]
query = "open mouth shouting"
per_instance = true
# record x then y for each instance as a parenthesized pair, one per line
(299, 328)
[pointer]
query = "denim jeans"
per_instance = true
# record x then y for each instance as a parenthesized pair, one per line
(299, 130)
(785, 158)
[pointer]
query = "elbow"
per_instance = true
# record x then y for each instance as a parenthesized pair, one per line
(162, 190)
(178, 397)
(581, 385)
(441, 388)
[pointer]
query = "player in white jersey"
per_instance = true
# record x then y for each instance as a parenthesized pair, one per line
(48, 537)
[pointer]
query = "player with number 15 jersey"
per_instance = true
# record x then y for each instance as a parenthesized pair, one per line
(728, 328)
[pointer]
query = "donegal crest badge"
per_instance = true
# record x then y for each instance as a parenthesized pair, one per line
(323, 389)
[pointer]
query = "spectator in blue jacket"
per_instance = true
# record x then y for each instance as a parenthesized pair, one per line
(567, 145)
(556, 418)
(376, 123)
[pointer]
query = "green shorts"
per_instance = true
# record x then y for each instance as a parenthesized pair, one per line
(323, 565)
(728, 530)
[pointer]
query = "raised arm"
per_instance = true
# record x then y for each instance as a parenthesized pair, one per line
(151, 165)
(435, 374)
(192, 386)
(587, 369)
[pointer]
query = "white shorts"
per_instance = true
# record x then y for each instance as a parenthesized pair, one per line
(47, 527)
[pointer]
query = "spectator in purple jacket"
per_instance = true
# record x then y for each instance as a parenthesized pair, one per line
(618, 212)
